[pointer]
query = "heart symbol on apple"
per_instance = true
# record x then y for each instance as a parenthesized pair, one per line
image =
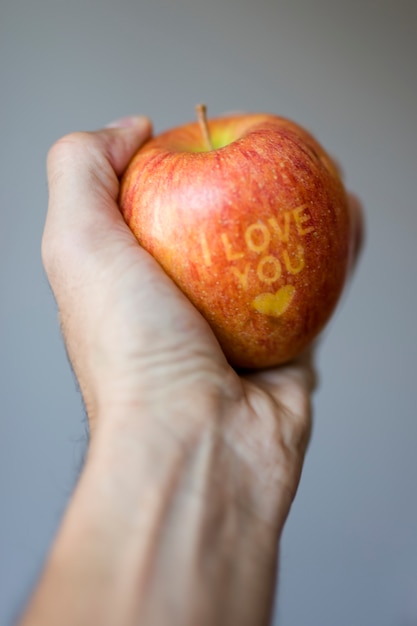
(274, 304)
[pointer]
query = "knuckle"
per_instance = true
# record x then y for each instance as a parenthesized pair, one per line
(69, 145)
(78, 152)
(67, 152)
(298, 431)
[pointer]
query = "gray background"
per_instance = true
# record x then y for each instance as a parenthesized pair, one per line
(346, 70)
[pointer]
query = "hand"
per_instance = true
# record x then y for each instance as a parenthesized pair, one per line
(192, 468)
(136, 342)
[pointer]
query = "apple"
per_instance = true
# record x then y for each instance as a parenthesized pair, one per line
(248, 215)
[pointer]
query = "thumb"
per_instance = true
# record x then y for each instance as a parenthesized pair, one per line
(109, 150)
(83, 170)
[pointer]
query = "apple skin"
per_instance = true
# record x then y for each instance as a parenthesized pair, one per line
(256, 231)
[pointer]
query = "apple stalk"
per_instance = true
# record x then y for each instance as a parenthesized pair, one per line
(201, 111)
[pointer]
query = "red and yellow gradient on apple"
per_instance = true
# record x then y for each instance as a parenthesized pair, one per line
(249, 217)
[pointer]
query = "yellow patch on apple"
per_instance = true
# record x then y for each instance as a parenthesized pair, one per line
(274, 304)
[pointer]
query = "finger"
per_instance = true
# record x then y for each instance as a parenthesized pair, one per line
(118, 141)
(292, 384)
(357, 229)
(83, 170)
(83, 162)
(300, 370)
(290, 387)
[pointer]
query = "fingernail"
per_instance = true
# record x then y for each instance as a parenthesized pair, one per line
(128, 122)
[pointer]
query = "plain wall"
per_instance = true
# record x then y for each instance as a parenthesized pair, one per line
(345, 70)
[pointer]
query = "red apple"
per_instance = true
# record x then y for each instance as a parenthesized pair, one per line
(249, 217)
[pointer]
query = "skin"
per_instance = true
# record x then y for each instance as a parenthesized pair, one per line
(191, 469)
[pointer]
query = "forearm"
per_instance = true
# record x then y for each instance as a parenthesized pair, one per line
(155, 531)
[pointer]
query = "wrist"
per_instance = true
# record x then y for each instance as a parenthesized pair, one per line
(158, 522)
(198, 546)
(99, 563)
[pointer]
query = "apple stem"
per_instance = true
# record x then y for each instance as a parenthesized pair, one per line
(201, 111)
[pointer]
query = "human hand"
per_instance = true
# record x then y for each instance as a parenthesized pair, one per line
(221, 453)
(134, 339)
